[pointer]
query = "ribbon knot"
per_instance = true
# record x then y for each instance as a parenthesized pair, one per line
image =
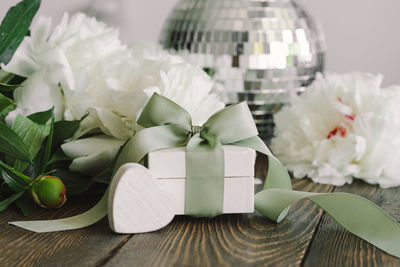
(195, 129)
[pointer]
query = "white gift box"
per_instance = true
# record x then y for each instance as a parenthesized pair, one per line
(168, 166)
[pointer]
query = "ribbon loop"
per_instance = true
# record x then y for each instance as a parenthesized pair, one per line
(232, 124)
(162, 111)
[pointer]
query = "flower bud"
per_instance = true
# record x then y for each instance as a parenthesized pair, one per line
(49, 192)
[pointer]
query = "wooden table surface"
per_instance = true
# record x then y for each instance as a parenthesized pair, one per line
(307, 237)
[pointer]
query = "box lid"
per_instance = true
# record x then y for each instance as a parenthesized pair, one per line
(171, 162)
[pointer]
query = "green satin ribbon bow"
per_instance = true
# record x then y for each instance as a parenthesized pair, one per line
(169, 125)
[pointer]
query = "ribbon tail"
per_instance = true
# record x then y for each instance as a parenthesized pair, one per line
(151, 139)
(277, 176)
(358, 215)
(255, 143)
(95, 214)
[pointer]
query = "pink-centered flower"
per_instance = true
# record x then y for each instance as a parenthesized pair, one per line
(342, 127)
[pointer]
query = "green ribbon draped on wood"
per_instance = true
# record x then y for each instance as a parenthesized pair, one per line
(167, 125)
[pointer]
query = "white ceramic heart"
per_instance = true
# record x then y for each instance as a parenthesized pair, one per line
(136, 204)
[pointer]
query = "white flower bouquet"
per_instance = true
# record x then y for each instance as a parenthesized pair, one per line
(70, 97)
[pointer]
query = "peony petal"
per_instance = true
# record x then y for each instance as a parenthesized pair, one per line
(103, 120)
(58, 68)
(22, 62)
(40, 32)
(92, 155)
(92, 164)
(37, 94)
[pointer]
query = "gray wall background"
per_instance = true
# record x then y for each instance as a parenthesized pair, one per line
(362, 35)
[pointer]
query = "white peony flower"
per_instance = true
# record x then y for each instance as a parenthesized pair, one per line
(107, 92)
(343, 126)
(81, 68)
(172, 77)
(117, 89)
(81, 39)
(59, 56)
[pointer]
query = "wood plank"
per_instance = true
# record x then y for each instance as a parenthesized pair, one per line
(338, 247)
(88, 246)
(228, 240)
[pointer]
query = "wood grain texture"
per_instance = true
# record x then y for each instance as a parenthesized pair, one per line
(228, 240)
(334, 246)
(86, 246)
(306, 237)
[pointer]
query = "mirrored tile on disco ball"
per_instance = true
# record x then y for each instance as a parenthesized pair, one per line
(281, 96)
(264, 117)
(262, 112)
(266, 107)
(264, 125)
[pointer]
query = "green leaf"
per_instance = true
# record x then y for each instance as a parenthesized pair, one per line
(41, 161)
(75, 183)
(64, 130)
(32, 134)
(5, 111)
(15, 26)
(42, 117)
(14, 172)
(11, 144)
(101, 179)
(105, 176)
(5, 101)
(58, 156)
(8, 87)
(15, 182)
(6, 105)
(26, 204)
(5, 203)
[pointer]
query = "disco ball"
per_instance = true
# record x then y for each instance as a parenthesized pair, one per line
(260, 51)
